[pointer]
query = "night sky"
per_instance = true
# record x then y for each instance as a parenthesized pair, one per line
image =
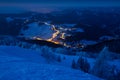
(49, 5)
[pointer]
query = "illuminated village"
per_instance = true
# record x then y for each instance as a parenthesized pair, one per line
(58, 36)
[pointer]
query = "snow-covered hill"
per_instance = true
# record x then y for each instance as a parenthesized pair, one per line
(23, 64)
(36, 30)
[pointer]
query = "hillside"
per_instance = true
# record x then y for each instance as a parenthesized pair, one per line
(23, 64)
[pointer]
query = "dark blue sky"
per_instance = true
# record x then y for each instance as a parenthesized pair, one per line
(54, 0)
(59, 1)
(65, 2)
(49, 5)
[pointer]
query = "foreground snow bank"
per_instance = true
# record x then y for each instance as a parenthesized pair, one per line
(22, 64)
(34, 71)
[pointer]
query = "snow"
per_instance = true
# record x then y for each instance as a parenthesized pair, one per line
(68, 60)
(69, 25)
(42, 31)
(35, 71)
(9, 19)
(25, 64)
(116, 63)
(17, 52)
(106, 37)
(79, 30)
(88, 42)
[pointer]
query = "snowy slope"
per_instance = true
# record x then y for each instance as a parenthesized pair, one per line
(15, 53)
(42, 31)
(22, 64)
(36, 71)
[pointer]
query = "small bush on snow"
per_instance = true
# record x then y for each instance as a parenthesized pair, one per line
(48, 54)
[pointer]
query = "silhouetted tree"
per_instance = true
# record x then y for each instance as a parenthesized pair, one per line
(59, 58)
(101, 67)
(73, 64)
(83, 64)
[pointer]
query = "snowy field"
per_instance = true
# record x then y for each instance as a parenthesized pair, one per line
(24, 64)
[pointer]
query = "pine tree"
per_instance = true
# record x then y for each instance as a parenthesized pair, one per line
(73, 64)
(86, 66)
(59, 58)
(118, 76)
(83, 64)
(101, 67)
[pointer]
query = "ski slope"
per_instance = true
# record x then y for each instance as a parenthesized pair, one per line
(42, 31)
